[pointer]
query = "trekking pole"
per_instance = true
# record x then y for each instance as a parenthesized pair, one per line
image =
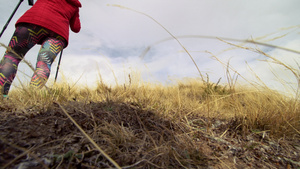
(58, 66)
(30, 2)
(11, 16)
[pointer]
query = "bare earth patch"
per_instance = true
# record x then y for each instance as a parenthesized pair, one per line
(134, 138)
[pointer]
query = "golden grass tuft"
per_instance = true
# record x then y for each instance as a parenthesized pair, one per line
(251, 108)
(146, 125)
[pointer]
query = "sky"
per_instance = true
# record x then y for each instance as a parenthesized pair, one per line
(136, 37)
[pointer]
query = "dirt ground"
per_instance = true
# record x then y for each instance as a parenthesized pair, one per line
(134, 138)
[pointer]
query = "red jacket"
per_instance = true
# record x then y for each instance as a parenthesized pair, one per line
(55, 15)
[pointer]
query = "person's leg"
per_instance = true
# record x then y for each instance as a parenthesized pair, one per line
(47, 54)
(24, 38)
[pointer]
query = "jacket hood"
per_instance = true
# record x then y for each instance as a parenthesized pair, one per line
(74, 2)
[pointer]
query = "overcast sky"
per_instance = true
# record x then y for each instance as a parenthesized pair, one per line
(113, 40)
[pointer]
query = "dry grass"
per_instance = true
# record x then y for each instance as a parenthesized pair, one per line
(191, 124)
(142, 125)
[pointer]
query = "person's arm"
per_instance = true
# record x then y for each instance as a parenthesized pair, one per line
(75, 23)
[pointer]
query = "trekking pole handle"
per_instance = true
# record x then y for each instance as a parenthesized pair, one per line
(30, 2)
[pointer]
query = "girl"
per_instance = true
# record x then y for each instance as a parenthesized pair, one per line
(46, 23)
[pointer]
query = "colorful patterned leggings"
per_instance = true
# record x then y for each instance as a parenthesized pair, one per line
(24, 38)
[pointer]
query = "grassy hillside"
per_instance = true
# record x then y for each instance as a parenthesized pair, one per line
(191, 124)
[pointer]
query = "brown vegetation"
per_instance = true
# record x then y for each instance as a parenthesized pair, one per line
(188, 125)
(192, 124)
